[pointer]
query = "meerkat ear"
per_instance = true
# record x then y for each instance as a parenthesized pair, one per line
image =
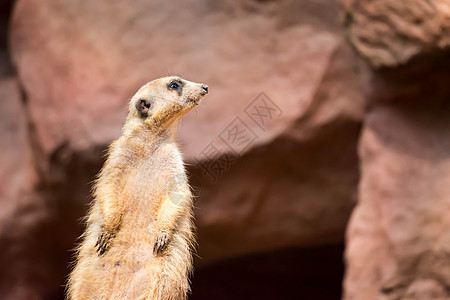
(143, 107)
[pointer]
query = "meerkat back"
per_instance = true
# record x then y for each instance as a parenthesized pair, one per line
(139, 233)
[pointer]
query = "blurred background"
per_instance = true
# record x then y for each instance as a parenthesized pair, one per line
(320, 159)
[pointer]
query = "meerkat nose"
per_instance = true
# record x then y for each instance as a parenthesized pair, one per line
(205, 88)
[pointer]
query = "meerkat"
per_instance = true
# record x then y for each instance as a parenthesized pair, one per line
(139, 234)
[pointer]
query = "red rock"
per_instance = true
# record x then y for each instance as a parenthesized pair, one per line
(281, 199)
(21, 206)
(398, 241)
(392, 33)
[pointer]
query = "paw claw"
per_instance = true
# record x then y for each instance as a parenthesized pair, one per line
(103, 242)
(161, 242)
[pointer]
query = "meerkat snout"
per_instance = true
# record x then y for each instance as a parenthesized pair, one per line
(205, 89)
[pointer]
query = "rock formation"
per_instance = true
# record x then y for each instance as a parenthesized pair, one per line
(272, 153)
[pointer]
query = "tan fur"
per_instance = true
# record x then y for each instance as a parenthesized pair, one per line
(139, 235)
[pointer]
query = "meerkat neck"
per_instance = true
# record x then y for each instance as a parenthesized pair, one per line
(137, 133)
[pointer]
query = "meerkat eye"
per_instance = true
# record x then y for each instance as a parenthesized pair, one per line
(175, 85)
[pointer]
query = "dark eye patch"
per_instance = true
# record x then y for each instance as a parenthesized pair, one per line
(175, 85)
(143, 106)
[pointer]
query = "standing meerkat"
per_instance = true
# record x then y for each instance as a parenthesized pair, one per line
(139, 235)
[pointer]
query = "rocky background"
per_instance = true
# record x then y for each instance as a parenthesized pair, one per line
(327, 127)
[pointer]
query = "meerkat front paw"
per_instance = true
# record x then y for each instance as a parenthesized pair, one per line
(162, 239)
(104, 241)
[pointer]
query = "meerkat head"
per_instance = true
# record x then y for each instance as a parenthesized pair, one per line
(159, 103)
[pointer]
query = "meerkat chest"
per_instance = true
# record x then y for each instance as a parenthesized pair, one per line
(151, 179)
